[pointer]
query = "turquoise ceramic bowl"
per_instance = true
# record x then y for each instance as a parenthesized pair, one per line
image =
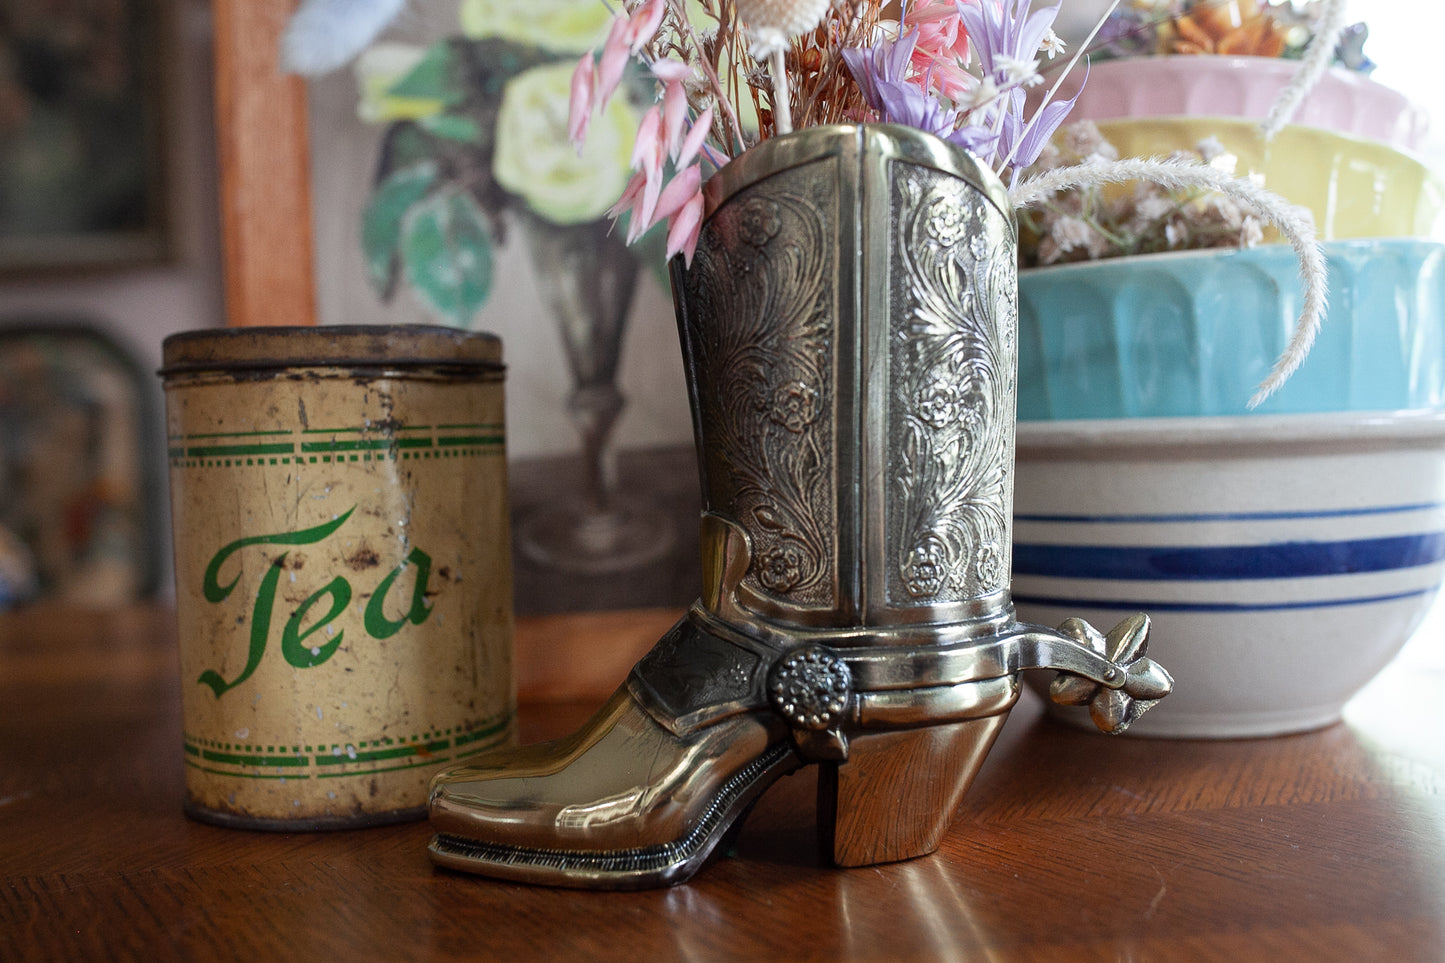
(1192, 333)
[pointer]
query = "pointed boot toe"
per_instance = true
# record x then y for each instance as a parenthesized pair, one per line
(626, 803)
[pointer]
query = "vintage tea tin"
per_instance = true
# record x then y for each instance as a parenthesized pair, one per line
(343, 575)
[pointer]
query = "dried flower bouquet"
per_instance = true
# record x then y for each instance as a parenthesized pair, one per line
(726, 74)
(959, 70)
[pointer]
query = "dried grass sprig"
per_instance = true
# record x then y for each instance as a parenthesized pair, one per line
(1317, 59)
(1297, 228)
(722, 49)
(826, 91)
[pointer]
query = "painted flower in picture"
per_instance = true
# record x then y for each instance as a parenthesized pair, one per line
(476, 139)
(566, 26)
(534, 160)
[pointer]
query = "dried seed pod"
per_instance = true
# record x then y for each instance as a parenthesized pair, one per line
(771, 24)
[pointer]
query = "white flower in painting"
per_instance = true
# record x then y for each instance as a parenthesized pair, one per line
(1071, 232)
(1084, 140)
(324, 34)
(535, 160)
(566, 26)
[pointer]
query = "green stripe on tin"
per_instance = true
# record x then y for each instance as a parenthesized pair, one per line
(434, 761)
(237, 759)
(229, 434)
(479, 734)
(231, 451)
(373, 444)
(420, 753)
(464, 440)
(374, 755)
(249, 775)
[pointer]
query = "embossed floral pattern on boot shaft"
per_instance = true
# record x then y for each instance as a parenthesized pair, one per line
(948, 221)
(939, 403)
(759, 221)
(925, 569)
(952, 394)
(990, 562)
(781, 567)
(795, 406)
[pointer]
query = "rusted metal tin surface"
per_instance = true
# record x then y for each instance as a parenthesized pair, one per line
(343, 575)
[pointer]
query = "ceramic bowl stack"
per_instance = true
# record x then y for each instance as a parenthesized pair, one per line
(1244, 87)
(1285, 553)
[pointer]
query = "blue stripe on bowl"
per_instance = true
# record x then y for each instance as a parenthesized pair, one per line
(1278, 560)
(1145, 605)
(1228, 516)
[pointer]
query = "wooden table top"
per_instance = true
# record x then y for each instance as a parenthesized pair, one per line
(1070, 845)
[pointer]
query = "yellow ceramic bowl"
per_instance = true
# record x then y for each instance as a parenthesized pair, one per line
(1355, 187)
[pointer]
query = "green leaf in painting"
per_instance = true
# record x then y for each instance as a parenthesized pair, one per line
(403, 145)
(381, 221)
(447, 251)
(452, 127)
(433, 78)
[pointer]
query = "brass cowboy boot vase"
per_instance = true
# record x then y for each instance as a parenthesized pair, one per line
(848, 326)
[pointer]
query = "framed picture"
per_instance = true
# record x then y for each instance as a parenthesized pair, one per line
(397, 160)
(82, 178)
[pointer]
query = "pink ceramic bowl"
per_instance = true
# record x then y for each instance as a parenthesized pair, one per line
(1215, 86)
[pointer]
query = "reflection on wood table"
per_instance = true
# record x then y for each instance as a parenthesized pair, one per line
(1071, 845)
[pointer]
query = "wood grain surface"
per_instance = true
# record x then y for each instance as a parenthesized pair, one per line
(1327, 845)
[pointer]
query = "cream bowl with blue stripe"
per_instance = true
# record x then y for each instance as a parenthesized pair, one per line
(1284, 559)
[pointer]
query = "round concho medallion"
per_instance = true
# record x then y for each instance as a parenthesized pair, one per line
(809, 686)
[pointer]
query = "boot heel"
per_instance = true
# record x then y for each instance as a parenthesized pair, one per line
(896, 795)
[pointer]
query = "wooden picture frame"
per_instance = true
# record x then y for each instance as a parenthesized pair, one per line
(265, 161)
(83, 119)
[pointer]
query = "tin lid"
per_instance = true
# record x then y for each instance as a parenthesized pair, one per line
(401, 346)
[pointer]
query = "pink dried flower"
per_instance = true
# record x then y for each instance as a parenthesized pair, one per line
(616, 53)
(942, 47)
(579, 105)
(678, 192)
(695, 138)
(649, 153)
(683, 232)
(642, 25)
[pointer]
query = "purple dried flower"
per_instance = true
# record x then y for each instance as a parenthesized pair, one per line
(1004, 34)
(880, 72)
(999, 33)
(1045, 122)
